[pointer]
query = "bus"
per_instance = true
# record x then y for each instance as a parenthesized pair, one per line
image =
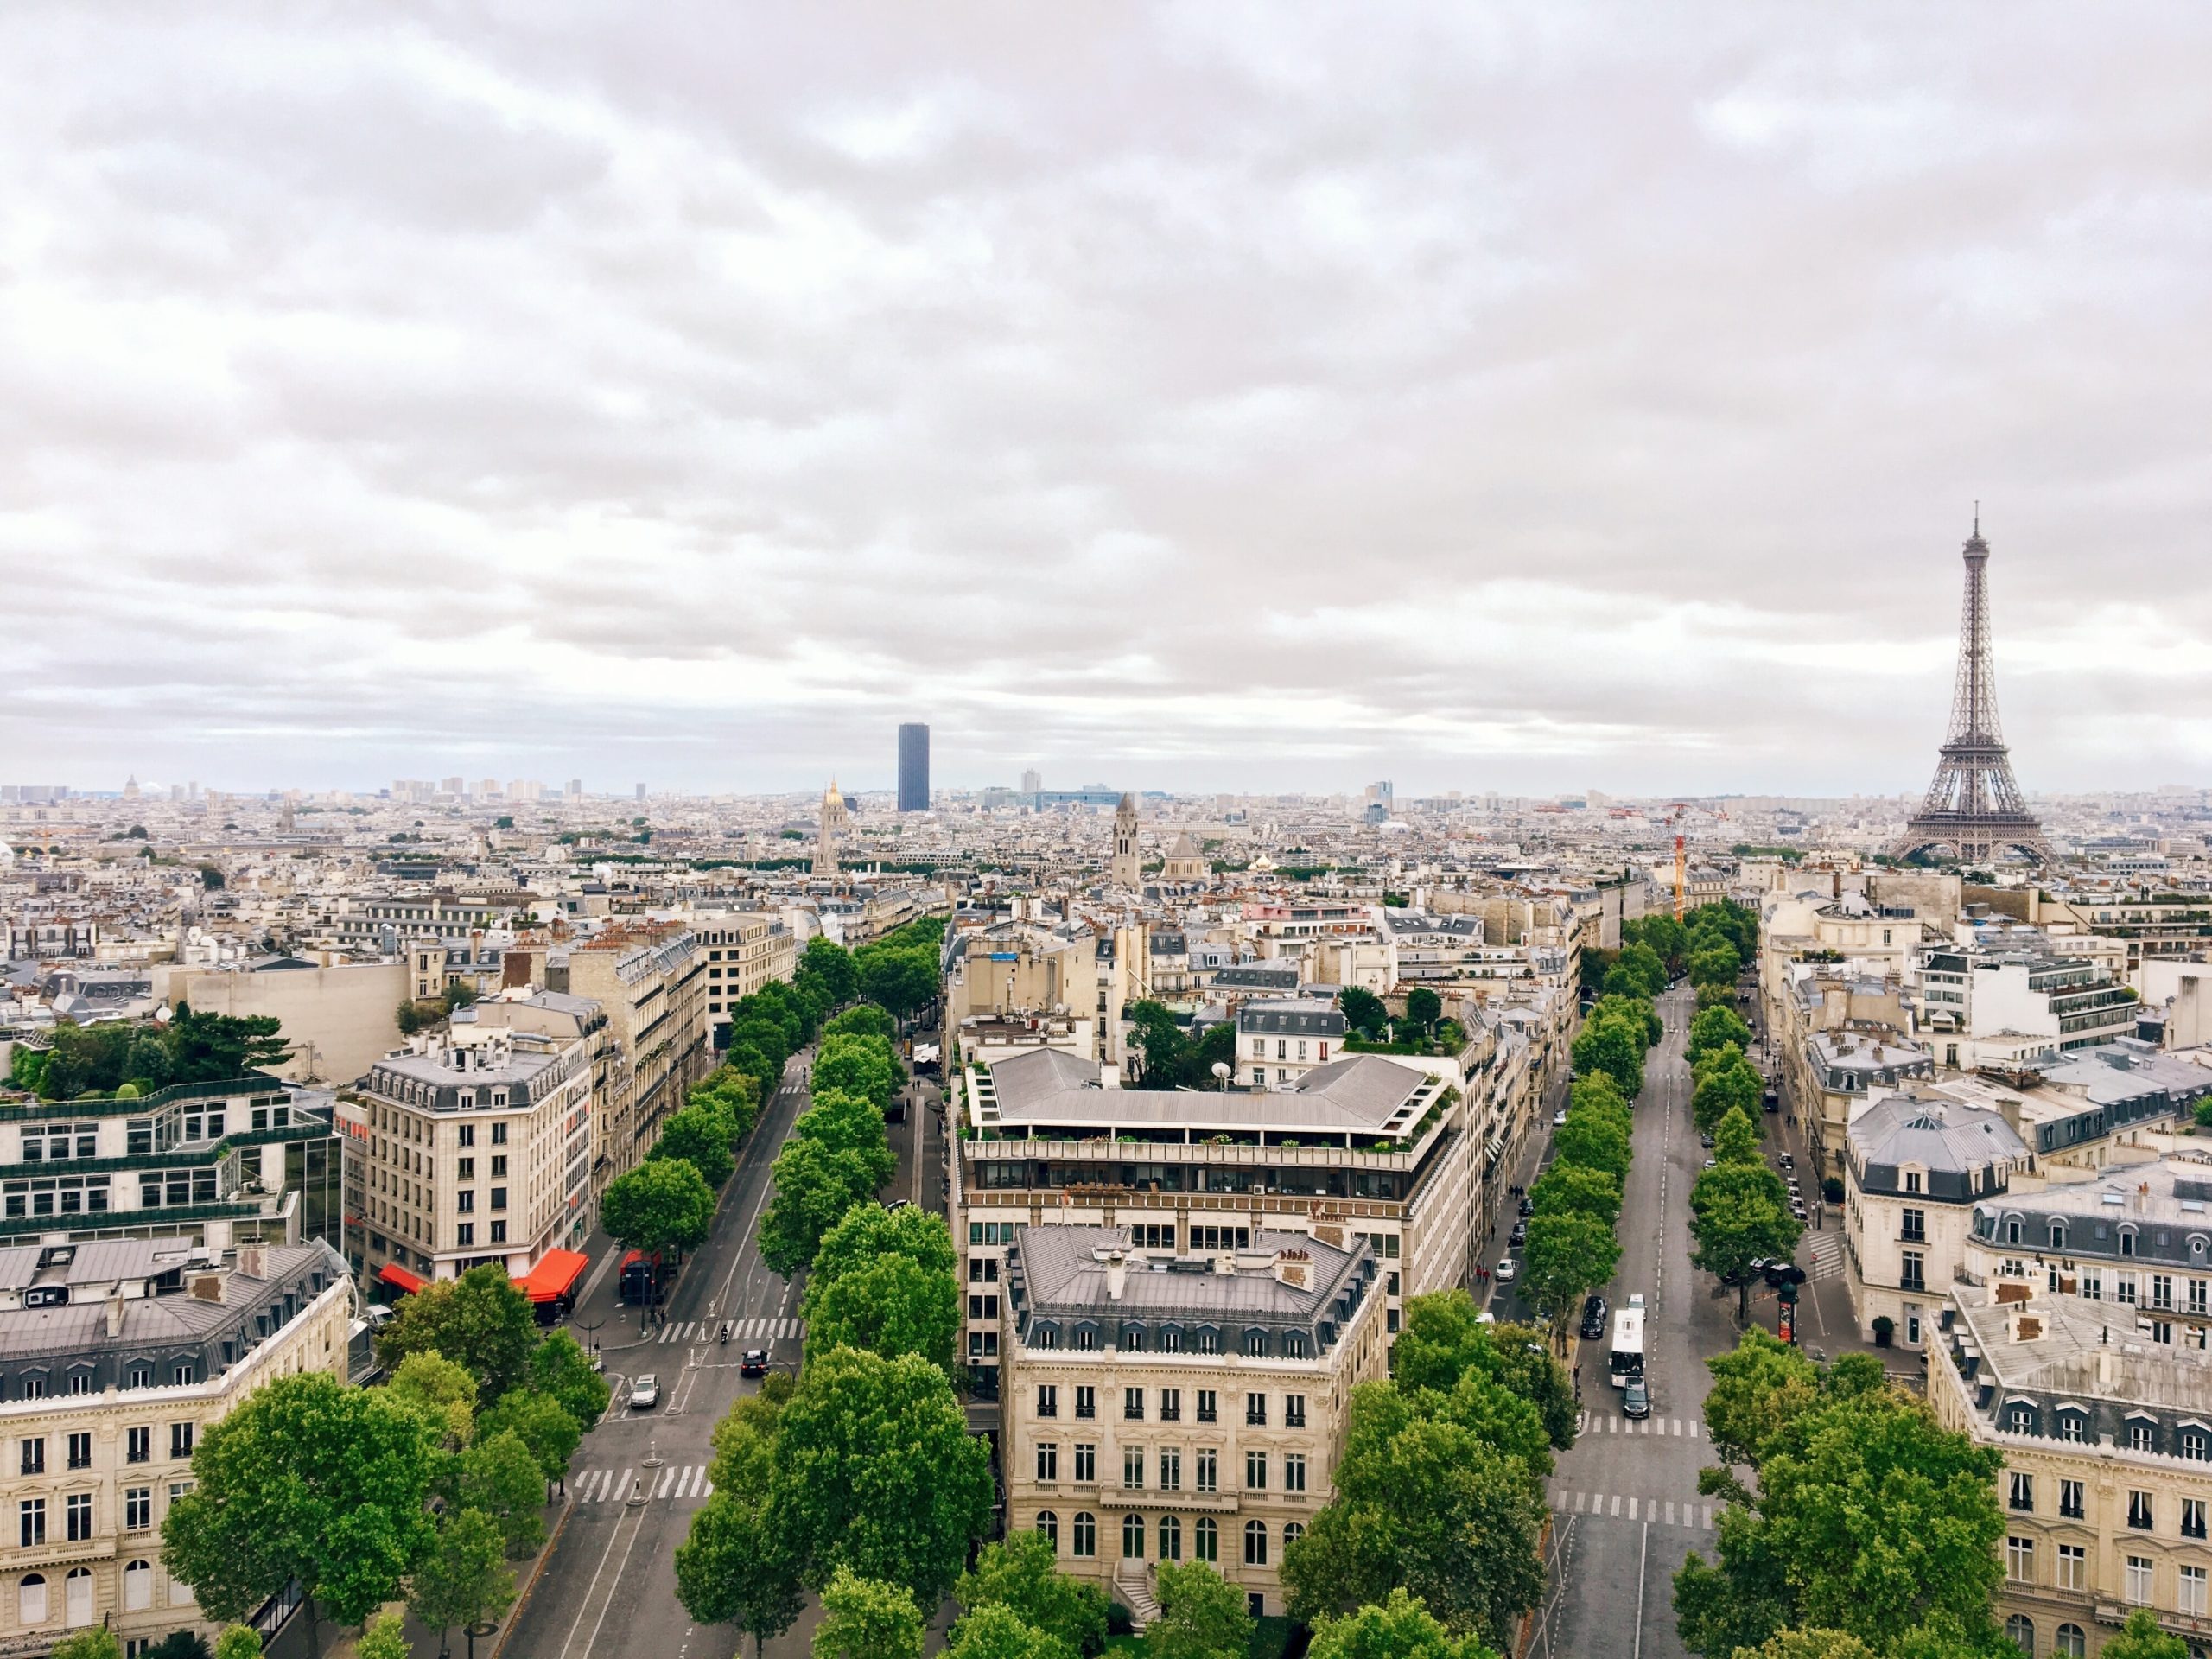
(1626, 1361)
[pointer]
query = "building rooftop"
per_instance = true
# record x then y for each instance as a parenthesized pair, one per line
(1075, 1274)
(1962, 1150)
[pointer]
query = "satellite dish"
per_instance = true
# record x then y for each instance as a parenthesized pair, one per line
(1221, 1070)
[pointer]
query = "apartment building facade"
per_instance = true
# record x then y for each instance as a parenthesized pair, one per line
(650, 981)
(1167, 1406)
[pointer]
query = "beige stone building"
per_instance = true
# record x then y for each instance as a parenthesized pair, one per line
(1180, 1406)
(115, 1357)
(744, 951)
(650, 980)
(2106, 1437)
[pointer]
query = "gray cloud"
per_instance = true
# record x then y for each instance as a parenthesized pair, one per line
(1206, 397)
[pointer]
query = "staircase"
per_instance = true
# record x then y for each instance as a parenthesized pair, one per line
(1133, 1584)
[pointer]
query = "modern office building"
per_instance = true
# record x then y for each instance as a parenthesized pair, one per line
(913, 768)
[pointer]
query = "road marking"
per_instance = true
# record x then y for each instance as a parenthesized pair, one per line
(667, 1482)
(1631, 1508)
(1643, 1560)
(1670, 1512)
(1617, 1503)
(637, 1524)
(1708, 1517)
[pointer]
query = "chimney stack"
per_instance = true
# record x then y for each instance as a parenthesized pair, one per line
(115, 1313)
(1116, 1275)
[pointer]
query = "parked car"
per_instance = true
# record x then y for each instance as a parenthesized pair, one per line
(1519, 1236)
(1506, 1270)
(1788, 1160)
(644, 1393)
(1528, 1206)
(1593, 1318)
(1559, 1118)
(1706, 1140)
(1713, 1163)
(755, 1362)
(1636, 1400)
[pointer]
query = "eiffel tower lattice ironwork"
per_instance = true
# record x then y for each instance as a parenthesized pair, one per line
(1974, 807)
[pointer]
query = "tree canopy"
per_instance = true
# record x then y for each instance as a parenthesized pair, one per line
(479, 1321)
(1202, 1615)
(1022, 1574)
(663, 1204)
(1400, 1627)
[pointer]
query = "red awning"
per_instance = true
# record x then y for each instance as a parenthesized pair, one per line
(554, 1276)
(395, 1274)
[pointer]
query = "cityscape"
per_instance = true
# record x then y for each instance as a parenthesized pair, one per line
(1157, 836)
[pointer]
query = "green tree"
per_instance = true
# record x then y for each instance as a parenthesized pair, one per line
(850, 1123)
(444, 1391)
(861, 1019)
(1588, 1139)
(998, 1633)
(815, 1187)
(831, 965)
(1022, 1574)
(238, 1642)
(561, 1368)
(463, 1578)
(1202, 1615)
(216, 1047)
(862, 1066)
(867, 1231)
(2139, 1638)
(1614, 1047)
(662, 1204)
(1715, 964)
(1567, 1256)
(1159, 1041)
(503, 1480)
(1577, 1189)
(730, 1570)
(1443, 1338)
(1399, 1628)
(1714, 1026)
(875, 1470)
(96, 1642)
(1363, 1011)
(307, 1479)
(542, 1423)
(1599, 1092)
(1638, 971)
(702, 1138)
(384, 1637)
(891, 1306)
(1423, 1007)
(1724, 1082)
(1736, 1139)
(479, 1321)
(902, 981)
(1739, 1214)
(866, 1618)
(1816, 1644)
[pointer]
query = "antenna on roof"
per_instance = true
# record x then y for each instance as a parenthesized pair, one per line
(1977, 517)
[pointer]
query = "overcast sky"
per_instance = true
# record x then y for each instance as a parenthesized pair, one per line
(1267, 397)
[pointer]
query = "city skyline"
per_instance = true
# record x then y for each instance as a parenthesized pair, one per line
(1401, 420)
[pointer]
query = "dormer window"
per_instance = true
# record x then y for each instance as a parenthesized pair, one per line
(1912, 1182)
(2057, 1234)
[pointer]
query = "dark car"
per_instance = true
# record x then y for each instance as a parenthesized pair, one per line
(753, 1363)
(1519, 1236)
(1635, 1400)
(1528, 1206)
(1593, 1318)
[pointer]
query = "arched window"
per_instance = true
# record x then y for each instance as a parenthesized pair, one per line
(1206, 1540)
(1256, 1543)
(2020, 1631)
(1133, 1537)
(137, 1586)
(1171, 1539)
(2070, 1642)
(1083, 1538)
(2057, 1234)
(2127, 1241)
(2012, 1230)
(77, 1596)
(1292, 1532)
(30, 1599)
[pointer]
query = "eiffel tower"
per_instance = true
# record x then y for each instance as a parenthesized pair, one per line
(1974, 808)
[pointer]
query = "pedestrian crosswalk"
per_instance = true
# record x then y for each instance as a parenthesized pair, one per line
(1827, 1251)
(755, 1330)
(1658, 1512)
(1593, 1423)
(676, 1482)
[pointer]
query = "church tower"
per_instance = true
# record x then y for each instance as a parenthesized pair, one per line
(1127, 869)
(832, 831)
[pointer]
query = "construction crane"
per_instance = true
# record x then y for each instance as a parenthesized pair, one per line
(1681, 865)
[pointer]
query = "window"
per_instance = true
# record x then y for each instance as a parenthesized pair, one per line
(1133, 1405)
(467, 1135)
(30, 1516)
(1293, 1471)
(1086, 1400)
(1294, 1411)
(138, 1508)
(137, 1586)
(498, 1232)
(2071, 1426)
(2192, 1517)
(1048, 1460)
(1133, 1537)
(2020, 1631)
(2023, 1493)
(1048, 1400)
(982, 1307)
(2073, 1567)
(184, 1374)
(499, 1198)
(2141, 1437)
(2162, 1290)
(1171, 1405)
(2020, 1559)
(1255, 1344)
(1256, 1471)
(499, 1134)
(1049, 1524)
(464, 1202)
(1206, 1540)
(1171, 1469)
(2069, 1499)
(179, 1440)
(1083, 1534)
(79, 1514)
(1209, 1470)
(1256, 1410)
(2139, 1580)
(2191, 1588)
(30, 1599)
(1292, 1532)
(2022, 1420)
(2057, 1234)
(33, 1459)
(2195, 1444)
(138, 1445)
(1207, 1410)
(464, 1232)
(1912, 1271)
(2092, 1284)
(1912, 1180)
(81, 1451)
(1912, 1226)
(1256, 1543)
(1132, 1469)
(1171, 1539)
(2127, 1241)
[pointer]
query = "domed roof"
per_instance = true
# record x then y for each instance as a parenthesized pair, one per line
(830, 796)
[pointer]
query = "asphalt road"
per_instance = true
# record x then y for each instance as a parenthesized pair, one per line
(610, 1587)
(1626, 1509)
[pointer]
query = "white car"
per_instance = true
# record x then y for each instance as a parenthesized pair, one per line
(1506, 1270)
(644, 1393)
(1558, 1118)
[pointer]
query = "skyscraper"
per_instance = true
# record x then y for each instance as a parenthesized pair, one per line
(913, 768)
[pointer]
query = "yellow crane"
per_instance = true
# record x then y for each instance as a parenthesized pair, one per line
(1681, 865)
